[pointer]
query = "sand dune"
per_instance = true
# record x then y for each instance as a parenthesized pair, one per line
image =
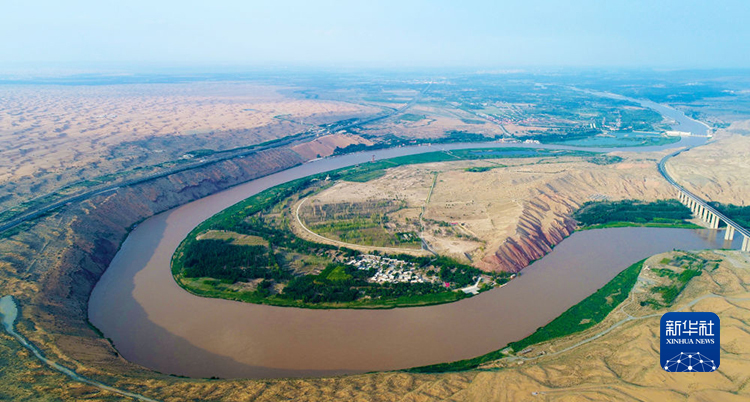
(53, 136)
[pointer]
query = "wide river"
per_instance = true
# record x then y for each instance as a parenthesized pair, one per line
(155, 323)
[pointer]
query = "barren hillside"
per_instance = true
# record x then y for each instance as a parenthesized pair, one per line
(505, 217)
(719, 171)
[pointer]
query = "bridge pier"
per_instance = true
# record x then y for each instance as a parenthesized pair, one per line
(713, 219)
(729, 234)
(707, 213)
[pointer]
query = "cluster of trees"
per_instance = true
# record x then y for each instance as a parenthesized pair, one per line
(321, 289)
(310, 289)
(457, 277)
(604, 159)
(263, 201)
(479, 169)
(639, 119)
(222, 260)
(601, 212)
(391, 140)
(396, 290)
(670, 292)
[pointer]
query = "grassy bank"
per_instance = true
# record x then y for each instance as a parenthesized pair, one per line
(627, 213)
(589, 312)
(206, 290)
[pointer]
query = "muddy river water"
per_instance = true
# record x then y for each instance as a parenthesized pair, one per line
(155, 323)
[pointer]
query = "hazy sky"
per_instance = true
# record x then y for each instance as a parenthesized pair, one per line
(653, 33)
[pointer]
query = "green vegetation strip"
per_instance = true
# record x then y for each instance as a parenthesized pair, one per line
(412, 117)
(374, 170)
(619, 141)
(589, 312)
(613, 214)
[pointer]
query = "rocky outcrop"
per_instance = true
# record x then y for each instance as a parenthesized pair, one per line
(545, 219)
(544, 223)
(532, 243)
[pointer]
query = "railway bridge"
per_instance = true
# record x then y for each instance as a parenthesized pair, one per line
(703, 210)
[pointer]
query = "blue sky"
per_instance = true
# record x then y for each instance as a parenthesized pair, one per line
(474, 34)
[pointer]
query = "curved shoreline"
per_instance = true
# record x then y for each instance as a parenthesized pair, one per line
(167, 329)
(143, 297)
(127, 283)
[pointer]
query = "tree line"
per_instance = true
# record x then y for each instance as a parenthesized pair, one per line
(600, 212)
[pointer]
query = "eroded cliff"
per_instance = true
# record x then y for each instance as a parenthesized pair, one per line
(52, 265)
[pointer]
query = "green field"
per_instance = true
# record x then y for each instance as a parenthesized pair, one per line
(363, 223)
(362, 231)
(338, 273)
(473, 121)
(412, 117)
